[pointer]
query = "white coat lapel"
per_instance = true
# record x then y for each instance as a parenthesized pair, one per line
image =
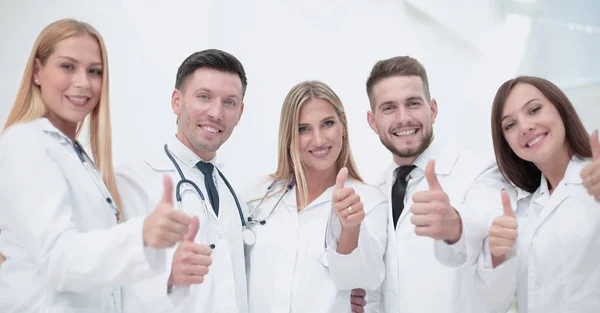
(558, 196)
(562, 192)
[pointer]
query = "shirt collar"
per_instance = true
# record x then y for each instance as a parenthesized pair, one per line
(444, 155)
(184, 154)
(572, 176)
(46, 126)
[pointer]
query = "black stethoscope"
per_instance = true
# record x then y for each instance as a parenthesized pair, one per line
(248, 235)
(89, 165)
(253, 220)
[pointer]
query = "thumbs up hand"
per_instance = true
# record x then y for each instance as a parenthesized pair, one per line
(591, 173)
(164, 227)
(346, 203)
(503, 233)
(191, 260)
(433, 215)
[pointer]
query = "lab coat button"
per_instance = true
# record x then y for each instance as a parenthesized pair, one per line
(220, 236)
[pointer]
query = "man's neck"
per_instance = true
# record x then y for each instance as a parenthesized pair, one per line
(203, 155)
(400, 161)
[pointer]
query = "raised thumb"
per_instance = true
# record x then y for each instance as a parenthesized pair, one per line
(508, 211)
(431, 176)
(193, 230)
(340, 180)
(167, 197)
(595, 145)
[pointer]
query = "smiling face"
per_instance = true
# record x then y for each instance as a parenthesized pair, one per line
(208, 107)
(402, 116)
(320, 134)
(533, 127)
(70, 81)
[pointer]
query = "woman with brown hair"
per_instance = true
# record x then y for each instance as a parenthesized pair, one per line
(65, 248)
(545, 252)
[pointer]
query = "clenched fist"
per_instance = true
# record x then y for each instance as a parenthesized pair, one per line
(191, 260)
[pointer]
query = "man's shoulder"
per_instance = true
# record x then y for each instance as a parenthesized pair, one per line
(472, 159)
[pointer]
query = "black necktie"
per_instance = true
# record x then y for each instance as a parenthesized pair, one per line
(213, 194)
(399, 191)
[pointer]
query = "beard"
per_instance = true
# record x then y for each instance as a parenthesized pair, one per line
(410, 152)
(190, 130)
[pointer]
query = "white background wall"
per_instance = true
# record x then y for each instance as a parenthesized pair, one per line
(468, 47)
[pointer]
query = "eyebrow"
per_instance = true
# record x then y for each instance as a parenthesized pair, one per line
(204, 89)
(322, 120)
(414, 98)
(524, 105)
(77, 62)
(386, 103)
(411, 98)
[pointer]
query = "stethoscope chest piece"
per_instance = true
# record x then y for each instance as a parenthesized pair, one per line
(249, 237)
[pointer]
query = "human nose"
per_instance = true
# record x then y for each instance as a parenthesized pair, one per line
(81, 79)
(318, 137)
(403, 115)
(215, 109)
(526, 126)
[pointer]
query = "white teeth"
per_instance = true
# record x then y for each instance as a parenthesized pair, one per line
(535, 140)
(80, 100)
(320, 152)
(405, 133)
(210, 129)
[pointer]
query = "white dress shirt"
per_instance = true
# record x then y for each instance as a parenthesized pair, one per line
(224, 288)
(64, 249)
(291, 270)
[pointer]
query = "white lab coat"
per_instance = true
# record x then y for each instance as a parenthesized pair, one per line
(224, 288)
(65, 252)
(554, 265)
(425, 275)
(290, 270)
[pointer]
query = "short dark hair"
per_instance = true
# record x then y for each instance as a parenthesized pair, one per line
(525, 174)
(397, 66)
(213, 59)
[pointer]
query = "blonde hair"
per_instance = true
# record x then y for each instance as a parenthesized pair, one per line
(29, 106)
(290, 164)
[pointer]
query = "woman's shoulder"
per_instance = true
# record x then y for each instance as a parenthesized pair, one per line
(255, 187)
(23, 137)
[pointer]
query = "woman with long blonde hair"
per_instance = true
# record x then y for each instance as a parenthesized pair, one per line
(65, 248)
(316, 229)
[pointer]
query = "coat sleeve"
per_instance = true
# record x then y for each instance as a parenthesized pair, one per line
(481, 204)
(364, 267)
(496, 287)
(141, 188)
(37, 205)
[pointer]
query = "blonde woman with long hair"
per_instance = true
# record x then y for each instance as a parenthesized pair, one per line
(65, 248)
(317, 230)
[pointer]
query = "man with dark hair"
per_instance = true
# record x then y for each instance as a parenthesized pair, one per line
(443, 199)
(208, 101)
